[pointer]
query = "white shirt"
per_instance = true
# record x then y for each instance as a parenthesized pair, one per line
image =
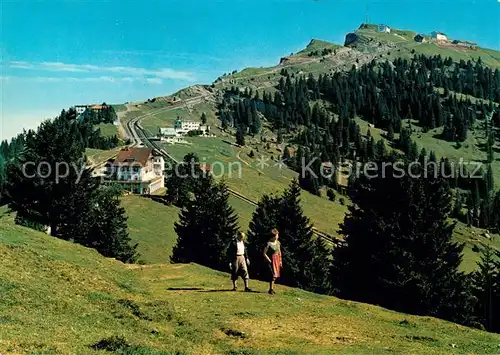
(240, 248)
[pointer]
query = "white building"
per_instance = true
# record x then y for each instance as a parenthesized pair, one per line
(383, 28)
(136, 170)
(169, 132)
(81, 108)
(184, 127)
(439, 36)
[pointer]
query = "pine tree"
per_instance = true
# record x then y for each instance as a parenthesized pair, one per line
(486, 289)
(490, 183)
(490, 138)
(102, 225)
(240, 136)
(495, 207)
(305, 261)
(380, 150)
(390, 133)
(3, 177)
(49, 185)
(206, 226)
(181, 180)
(301, 256)
(256, 125)
(43, 180)
(398, 250)
(264, 219)
(203, 118)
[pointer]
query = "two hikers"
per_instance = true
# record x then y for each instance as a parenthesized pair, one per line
(238, 260)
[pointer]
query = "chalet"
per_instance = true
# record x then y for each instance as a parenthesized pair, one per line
(383, 28)
(439, 36)
(136, 170)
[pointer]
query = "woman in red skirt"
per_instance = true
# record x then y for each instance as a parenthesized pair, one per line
(272, 253)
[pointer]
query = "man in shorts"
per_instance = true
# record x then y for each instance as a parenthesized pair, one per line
(238, 260)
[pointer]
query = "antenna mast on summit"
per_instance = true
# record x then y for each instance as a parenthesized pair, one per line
(367, 15)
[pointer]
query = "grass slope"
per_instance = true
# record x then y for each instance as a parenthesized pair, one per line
(245, 175)
(108, 129)
(58, 297)
(99, 156)
(151, 225)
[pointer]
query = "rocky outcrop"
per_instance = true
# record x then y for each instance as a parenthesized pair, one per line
(351, 38)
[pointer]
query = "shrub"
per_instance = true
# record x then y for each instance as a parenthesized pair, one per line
(330, 194)
(113, 343)
(20, 220)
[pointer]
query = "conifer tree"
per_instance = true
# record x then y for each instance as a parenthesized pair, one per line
(495, 221)
(49, 186)
(264, 219)
(102, 225)
(42, 181)
(398, 250)
(181, 180)
(240, 136)
(3, 177)
(305, 260)
(206, 226)
(486, 289)
(390, 133)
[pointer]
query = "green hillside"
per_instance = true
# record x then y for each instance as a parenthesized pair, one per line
(256, 181)
(62, 298)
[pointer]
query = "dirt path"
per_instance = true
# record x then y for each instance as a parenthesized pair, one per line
(240, 159)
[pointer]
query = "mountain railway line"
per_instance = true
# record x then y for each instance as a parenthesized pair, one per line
(138, 133)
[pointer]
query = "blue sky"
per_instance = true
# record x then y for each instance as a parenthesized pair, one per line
(55, 54)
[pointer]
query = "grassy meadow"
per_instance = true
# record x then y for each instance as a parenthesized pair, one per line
(62, 298)
(97, 156)
(108, 129)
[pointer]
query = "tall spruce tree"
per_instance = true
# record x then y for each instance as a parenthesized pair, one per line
(49, 185)
(44, 178)
(206, 226)
(398, 250)
(240, 135)
(181, 180)
(102, 225)
(265, 218)
(487, 289)
(3, 177)
(305, 260)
